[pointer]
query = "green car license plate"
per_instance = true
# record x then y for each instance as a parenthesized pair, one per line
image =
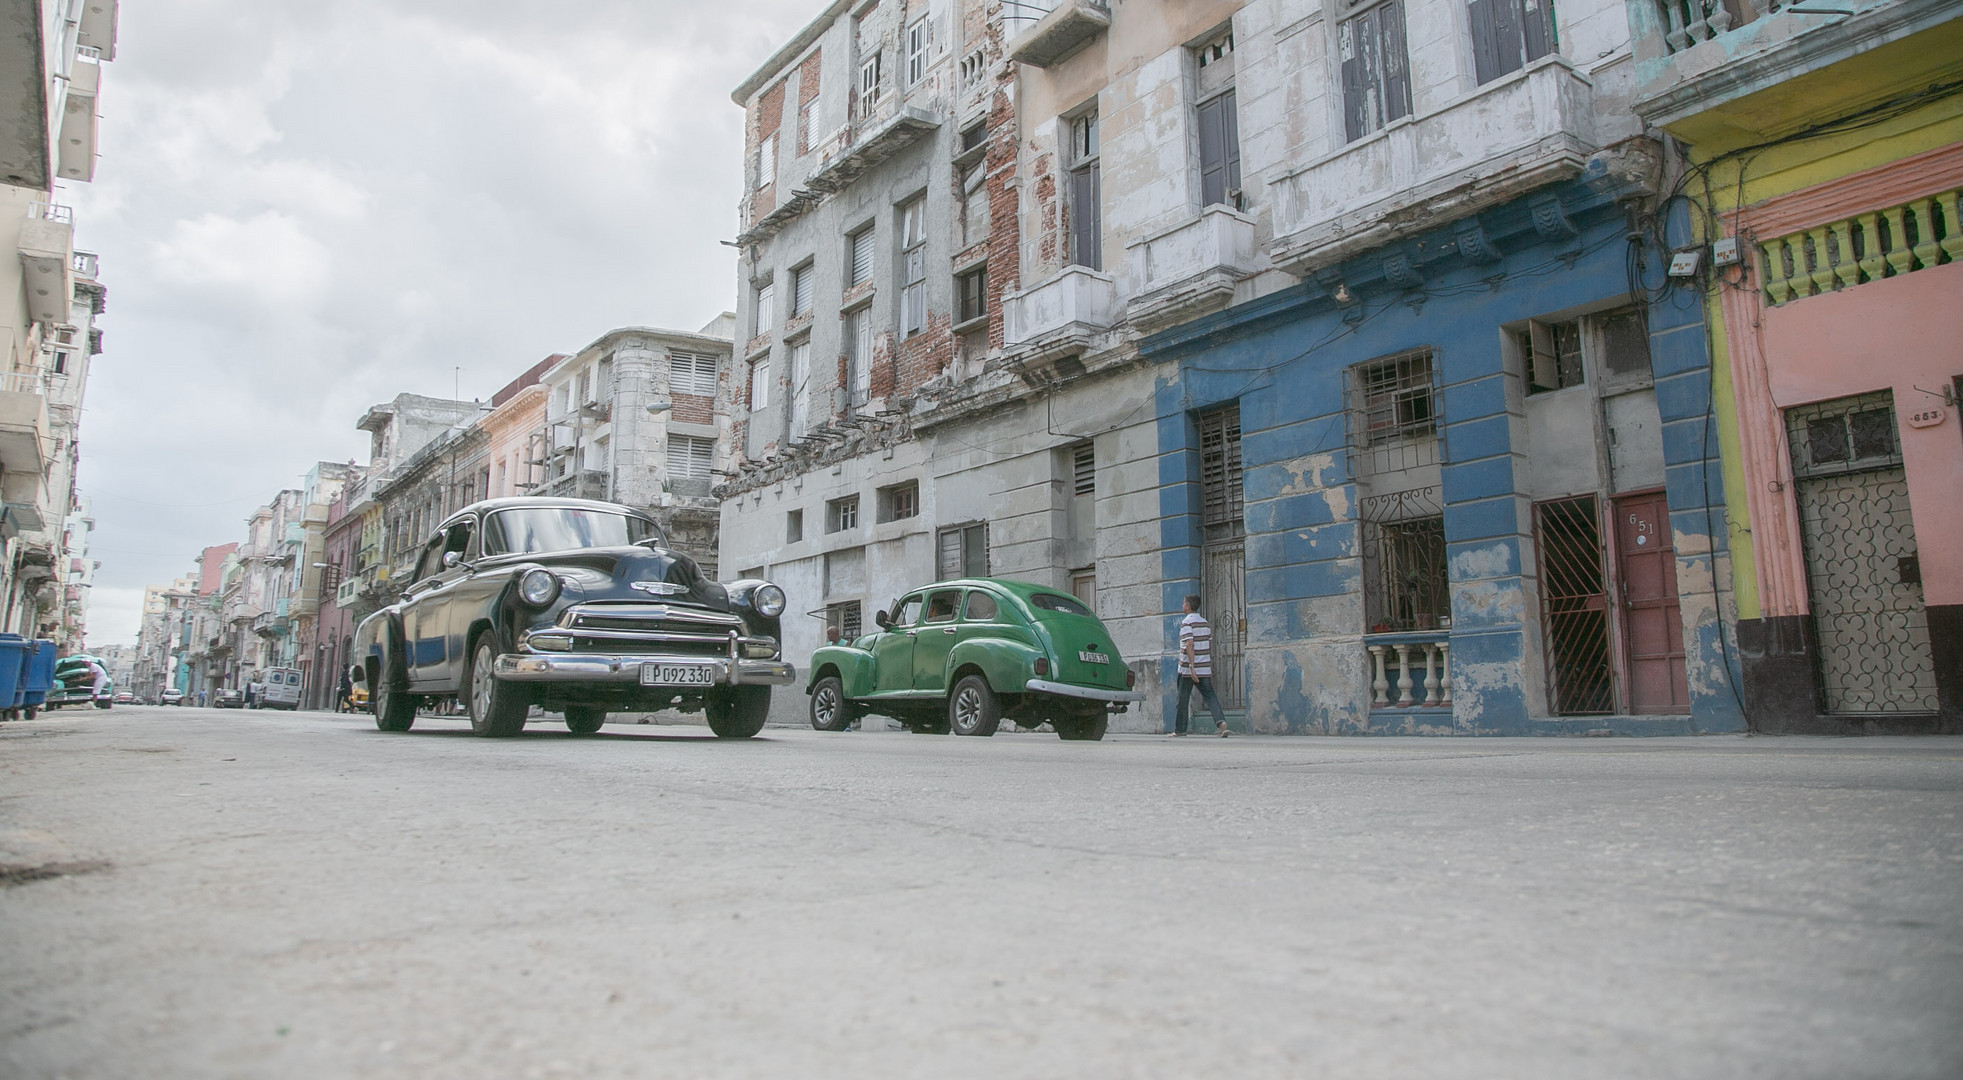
(1093, 657)
(677, 675)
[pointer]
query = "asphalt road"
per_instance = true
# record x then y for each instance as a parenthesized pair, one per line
(202, 894)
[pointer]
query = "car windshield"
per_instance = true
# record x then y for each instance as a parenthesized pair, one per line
(561, 528)
(1056, 602)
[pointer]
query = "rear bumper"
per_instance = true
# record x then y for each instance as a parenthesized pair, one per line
(588, 668)
(1084, 693)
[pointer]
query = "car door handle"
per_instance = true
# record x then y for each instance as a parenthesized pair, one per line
(947, 629)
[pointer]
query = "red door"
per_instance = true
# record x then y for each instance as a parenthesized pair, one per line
(1652, 620)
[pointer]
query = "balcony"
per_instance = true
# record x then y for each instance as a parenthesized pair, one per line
(1060, 315)
(23, 424)
(98, 27)
(1698, 55)
(75, 147)
(1191, 269)
(848, 154)
(47, 259)
(1069, 26)
(83, 264)
(1510, 136)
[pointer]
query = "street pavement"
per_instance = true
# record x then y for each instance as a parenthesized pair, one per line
(252, 894)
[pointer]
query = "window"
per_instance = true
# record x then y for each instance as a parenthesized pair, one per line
(1405, 585)
(793, 529)
(1086, 217)
(1506, 34)
(800, 417)
(807, 126)
(858, 356)
(1083, 469)
(900, 501)
(691, 457)
(766, 308)
(963, 551)
(1614, 343)
(1056, 602)
(801, 290)
(845, 618)
(920, 40)
(1083, 586)
(584, 395)
(913, 267)
(974, 204)
(869, 86)
(691, 373)
(981, 608)
(1218, 123)
(942, 605)
(1553, 354)
(1220, 466)
(1397, 398)
(971, 296)
(842, 514)
(767, 160)
(1376, 80)
(858, 259)
(973, 136)
(1625, 344)
(760, 384)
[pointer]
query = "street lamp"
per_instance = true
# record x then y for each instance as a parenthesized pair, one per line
(660, 406)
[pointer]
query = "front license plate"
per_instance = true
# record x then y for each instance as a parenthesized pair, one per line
(1093, 658)
(677, 675)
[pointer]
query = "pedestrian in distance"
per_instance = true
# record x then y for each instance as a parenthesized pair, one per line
(344, 701)
(1196, 667)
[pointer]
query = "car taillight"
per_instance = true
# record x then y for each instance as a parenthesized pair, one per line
(1042, 665)
(1131, 679)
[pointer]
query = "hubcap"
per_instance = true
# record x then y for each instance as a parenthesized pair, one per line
(967, 709)
(827, 705)
(480, 678)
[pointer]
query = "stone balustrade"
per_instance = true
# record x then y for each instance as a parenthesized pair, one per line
(1867, 247)
(1410, 671)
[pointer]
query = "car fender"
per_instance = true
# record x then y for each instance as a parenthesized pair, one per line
(1007, 664)
(379, 638)
(854, 667)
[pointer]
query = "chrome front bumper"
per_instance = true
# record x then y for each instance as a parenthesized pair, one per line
(1086, 693)
(542, 667)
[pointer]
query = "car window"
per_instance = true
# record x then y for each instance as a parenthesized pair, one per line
(457, 538)
(906, 611)
(563, 528)
(1069, 605)
(941, 606)
(981, 607)
(430, 563)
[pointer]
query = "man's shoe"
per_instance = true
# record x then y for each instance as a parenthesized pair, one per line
(1223, 731)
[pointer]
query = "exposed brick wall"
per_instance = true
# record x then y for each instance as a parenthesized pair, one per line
(1004, 223)
(807, 89)
(768, 117)
(693, 409)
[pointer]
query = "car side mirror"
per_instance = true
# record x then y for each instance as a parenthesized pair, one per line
(452, 560)
(883, 620)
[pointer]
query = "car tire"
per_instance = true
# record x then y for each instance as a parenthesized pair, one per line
(394, 710)
(973, 708)
(828, 709)
(497, 709)
(584, 719)
(738, 712)
(1081, 728)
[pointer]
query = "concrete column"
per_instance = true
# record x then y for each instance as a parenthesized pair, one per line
(639, 454)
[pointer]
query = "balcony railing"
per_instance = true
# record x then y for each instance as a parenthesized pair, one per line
(1077, 301)
(41, 211)
(84, 264)
(1409, 671)
(1867, 247)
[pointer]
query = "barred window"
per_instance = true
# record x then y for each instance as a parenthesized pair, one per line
(845, 616)
(1393, 413)
(1405, 580)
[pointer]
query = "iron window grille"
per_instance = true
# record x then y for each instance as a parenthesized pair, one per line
(1574, 606)
(1843, 436)
(1393, 413)
(1220, 466)
(1404, 571)
(845, 616)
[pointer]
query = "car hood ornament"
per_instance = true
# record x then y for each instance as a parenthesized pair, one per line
(659, 588)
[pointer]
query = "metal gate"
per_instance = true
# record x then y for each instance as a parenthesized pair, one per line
(1574, 606)
(1863, 577)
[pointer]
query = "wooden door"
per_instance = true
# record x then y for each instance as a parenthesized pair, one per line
(1652, 618)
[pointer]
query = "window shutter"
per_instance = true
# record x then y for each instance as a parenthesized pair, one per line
(801, 292)
(1356, 82)
(1213, 153)
(1396, 71)
(861, 256)
(950, 555)
(1537, 22)
(1085, 241)
(1084, 469)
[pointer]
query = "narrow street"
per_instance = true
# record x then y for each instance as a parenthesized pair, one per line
(191, 893)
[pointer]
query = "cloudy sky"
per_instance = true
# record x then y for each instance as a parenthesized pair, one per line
(304, 207)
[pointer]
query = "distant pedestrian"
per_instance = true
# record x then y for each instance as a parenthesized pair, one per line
(1196, 667)
(201, 699)
(345, 702)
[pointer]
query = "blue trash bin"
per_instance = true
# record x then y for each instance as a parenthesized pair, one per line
(14, 651)
(40, 677)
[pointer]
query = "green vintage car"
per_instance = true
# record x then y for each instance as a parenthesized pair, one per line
(964, 655)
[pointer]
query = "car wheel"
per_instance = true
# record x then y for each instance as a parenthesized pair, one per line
(828, 710)
(1081, 728)
(973, 708)
(497, 709)
(738, 712)
(394, 710)
(584, 719)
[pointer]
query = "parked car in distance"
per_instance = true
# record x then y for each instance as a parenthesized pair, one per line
(281, 689)
(227, 697)
(124, 697)
(578, 607)
(75, 683)
(172, 696)
(964, 655)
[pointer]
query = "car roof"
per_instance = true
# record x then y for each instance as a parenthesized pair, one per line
(542, 502)
(1022, 589)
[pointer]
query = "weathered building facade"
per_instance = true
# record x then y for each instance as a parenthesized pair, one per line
(1826, 151)
(1349, 318)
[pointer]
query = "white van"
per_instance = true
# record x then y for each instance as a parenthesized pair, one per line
(282, 689)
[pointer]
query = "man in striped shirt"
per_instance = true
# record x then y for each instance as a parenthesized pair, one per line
(1196, 666)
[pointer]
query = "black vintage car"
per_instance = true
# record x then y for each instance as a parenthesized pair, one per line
(575, 606)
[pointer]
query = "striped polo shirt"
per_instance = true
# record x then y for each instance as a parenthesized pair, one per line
(1195, 629)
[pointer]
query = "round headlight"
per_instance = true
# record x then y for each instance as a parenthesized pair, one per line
(768, 600)
(538, 587)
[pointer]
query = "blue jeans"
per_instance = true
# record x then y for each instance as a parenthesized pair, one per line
(1207, 695)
